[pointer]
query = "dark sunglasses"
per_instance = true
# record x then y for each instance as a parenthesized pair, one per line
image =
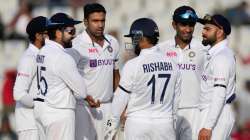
(70, 31)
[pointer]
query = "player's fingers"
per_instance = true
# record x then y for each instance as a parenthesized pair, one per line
(200, 137)
(98, 103)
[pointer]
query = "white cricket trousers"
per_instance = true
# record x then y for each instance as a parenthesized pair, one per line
(31, 134)
(58, 124)
(149, 129)
(91, 122)
(185, 123)
(224, 126)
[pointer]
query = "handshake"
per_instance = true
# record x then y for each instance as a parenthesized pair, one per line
(91, 101)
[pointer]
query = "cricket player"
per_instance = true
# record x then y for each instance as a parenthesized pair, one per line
(189, 53)
(149, 87)
(216, 116)
(25, 85)
(59, 82)
(96, 55)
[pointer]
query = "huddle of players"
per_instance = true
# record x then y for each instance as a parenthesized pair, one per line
(177, 89)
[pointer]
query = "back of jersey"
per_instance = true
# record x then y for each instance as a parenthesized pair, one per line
(53, 70)
(154, 85)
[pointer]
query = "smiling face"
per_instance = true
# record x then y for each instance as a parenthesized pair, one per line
(184, 32)
(95, 24)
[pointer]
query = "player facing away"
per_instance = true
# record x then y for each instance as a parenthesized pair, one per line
(59, 82)
(96, 55)
(216, 116)
(25, 85)
(149, 87)
(189, 53)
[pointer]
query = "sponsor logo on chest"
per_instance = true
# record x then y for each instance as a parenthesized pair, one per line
(171, 54)
(187, 66)
(100, 62)
(93, 50)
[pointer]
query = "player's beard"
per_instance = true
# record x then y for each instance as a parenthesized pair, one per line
(43, 42)
(68, 44)
(137, 50)
(185, 39)
(208, 41)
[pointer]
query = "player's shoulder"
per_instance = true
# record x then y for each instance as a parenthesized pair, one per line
(30, 52)
(168, 44)
(224, 55)
(196, 44)
(78, 40)
(112, 40)
(132, 62)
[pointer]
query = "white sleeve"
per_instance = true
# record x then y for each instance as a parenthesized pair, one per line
(66, 69)
(117, 55)
(119, 103)
(177, 92)
(220, 72)
(123, 91)
(25, 74)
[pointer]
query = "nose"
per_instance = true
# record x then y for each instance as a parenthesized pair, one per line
(100, 24)
(203, 32)
(188, 29)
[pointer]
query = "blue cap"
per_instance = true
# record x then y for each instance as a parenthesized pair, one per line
(185, 14)
(217, 20)
(63, 20)
(38, 24)
(144, 26)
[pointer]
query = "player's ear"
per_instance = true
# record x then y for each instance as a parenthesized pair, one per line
(174, 24)
(37, 35)
(58, 34)
(85, 22)
(220, 33)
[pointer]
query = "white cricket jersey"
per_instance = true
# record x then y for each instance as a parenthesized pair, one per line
(190, 61)
(59, 80)
(25, 84)
(219, 71)
(96, 64)
(153, 82)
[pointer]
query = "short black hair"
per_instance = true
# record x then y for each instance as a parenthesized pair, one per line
(91, 8)
(52, 33)
(32, 38)
(152, 39)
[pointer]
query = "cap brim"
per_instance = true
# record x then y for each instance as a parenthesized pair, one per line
(77, 22)
(128, 35)
(202, 21)
(54, 25)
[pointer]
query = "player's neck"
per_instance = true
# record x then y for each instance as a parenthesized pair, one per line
(37, 44)
(146, 46)
(181, 43)
(217, 41)
(97, 39)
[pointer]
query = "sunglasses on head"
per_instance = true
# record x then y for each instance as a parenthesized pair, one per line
(210, 19)
(189, 15)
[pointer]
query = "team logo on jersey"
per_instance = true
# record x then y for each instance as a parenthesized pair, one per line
(110, 49)
(191, 54)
